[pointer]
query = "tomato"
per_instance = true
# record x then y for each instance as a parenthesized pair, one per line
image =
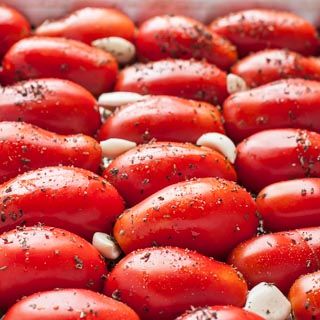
(13, 27)
(89, 24)
(278, 258)
(271, 65)
(188, 79)
(291, 103)
(182, 37)
(277, 155)
(257, 29)
(304, 296)
(24, 147)
(44, 57)
(163, 118)
(219, 313)
(161, 283)
(70, 198)
(52, 104)
(43, 258)
(208, 215)
(146, 169)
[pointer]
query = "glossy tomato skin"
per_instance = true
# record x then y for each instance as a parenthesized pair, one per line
(148, 168)
(258, 29)
(70, 304)
(275, 64)
(291, 103)
(36, 259)
(13, 27)
(24, 147)
(219, 313)
(56, 105)
(276, 155)
(161, 283)
(45, 57)
(190, 79)
(89, 24)
(209, 215)
(304, 296)
(70, 198)
(278, 258)
(163, 118)
(182, 37)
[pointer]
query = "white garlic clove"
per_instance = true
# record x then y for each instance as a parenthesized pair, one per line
(235, 84)
(112, 100)
(106, 246)
(114, 147)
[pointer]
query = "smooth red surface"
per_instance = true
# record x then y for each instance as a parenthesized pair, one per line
(43, 258)
(182, 37)
(291, 103)
(45, 57)
(89, 24)
(276, 155)
(161, 283)
(148, 168)
(56, 105)
(258, 29)
(188, 79)
(208, 215)
(163, 118)
(24, 147)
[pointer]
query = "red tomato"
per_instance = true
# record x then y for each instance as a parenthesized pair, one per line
(52, 104)
(181, 37)
(70, 304)
(161, 283)
(146, 169)
(291, 103)
(277, 155)
(257, 29)
(13, 27)
(89, 24)
(278, 258)
(271, 65)
(43, 258)
(304, 296)
(163, 118)
(44, 57)
(70, 198)
(188, 79)
(219, 313)
(24, 147)
(208, 215)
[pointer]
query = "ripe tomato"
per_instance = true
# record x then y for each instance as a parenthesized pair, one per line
(146, 169)
(43, 258)
(277, 155)
(257, 29)
(163, 118)
(89, 24)
(44, 57)
(208, 215)
(188, 79)
(161, 283)
(181, 37)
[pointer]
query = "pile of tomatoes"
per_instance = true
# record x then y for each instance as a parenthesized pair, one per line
(195, 228)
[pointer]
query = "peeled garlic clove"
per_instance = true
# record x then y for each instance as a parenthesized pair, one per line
(114, 147)
(235, 84)
(106, 245)
(220, 143)
(112, 100)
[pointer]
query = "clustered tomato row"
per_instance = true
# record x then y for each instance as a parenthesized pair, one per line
(189, 235)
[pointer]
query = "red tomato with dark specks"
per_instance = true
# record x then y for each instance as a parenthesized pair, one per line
(148, 168)
(188, 79)
(276, 155)
(44, 57)
(208, 215)
(182, 37)
(43, 258)
(258, 29)
(161, 283)
(163, 118)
